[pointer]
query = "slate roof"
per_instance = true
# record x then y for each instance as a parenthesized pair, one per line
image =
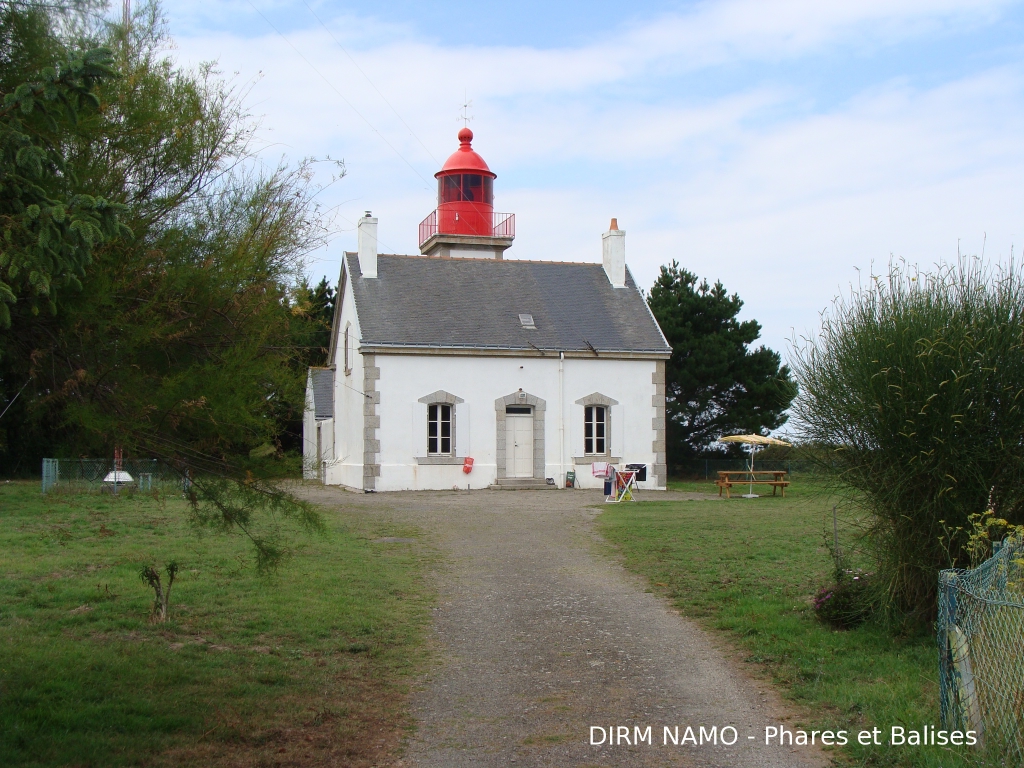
(323, 393)
(475, 304)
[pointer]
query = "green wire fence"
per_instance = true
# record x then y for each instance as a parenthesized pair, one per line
(981, 652)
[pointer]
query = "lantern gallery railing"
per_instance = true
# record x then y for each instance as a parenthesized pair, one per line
(502, 225)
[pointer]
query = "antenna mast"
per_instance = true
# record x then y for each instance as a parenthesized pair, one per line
(466, 104)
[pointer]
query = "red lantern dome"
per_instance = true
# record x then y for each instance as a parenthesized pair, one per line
(465, 159)
(465, 205)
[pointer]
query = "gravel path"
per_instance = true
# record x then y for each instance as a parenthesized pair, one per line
(541, 635)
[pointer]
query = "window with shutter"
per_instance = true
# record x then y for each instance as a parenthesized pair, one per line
(595, 437)
(440, 432)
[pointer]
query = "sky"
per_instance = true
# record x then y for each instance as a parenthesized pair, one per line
(786, 148)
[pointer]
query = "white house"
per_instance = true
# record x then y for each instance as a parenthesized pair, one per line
(459, 368)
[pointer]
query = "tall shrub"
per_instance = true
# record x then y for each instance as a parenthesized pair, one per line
(914, 389)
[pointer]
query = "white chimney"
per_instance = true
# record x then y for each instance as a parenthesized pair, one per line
(368, 245)
(613, 249)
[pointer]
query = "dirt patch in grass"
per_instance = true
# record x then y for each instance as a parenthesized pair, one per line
(362, 730)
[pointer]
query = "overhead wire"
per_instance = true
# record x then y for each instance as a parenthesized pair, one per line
(340, 94)
(15, 397)
(372, 85)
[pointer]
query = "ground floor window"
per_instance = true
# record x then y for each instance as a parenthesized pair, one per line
(439, 430)
(594, 430)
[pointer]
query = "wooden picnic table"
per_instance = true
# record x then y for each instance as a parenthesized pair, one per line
(730, 477)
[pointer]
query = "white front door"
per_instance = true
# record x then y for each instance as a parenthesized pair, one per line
(519, 445)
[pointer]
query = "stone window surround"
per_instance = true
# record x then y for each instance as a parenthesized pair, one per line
(539, 407)
(441, 398)
(596, 398)
(590, 459)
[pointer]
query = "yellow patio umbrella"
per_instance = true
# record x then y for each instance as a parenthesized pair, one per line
(753, 441)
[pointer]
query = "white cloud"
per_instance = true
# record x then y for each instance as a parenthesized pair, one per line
(753, 185)
(756, 29)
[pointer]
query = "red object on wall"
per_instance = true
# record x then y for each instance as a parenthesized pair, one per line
(467, 465)
(465, 192)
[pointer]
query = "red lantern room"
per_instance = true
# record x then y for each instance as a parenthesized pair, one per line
(465, 223)
(465, 192)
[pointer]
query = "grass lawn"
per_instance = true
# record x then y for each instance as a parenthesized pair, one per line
(749, 568)
(302, 668)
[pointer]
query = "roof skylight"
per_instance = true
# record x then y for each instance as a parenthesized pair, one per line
(527, 322)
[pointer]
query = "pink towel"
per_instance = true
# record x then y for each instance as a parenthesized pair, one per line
(601, 469)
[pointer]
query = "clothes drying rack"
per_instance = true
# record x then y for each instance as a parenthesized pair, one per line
(623, 487)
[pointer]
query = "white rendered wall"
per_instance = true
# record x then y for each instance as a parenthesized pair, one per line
(479, 381)
(327, 443)
(309, 468)
(346, 467)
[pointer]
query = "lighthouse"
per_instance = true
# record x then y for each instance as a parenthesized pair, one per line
(464, 224)
(457, 367)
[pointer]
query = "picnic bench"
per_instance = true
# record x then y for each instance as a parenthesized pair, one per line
(728, 478)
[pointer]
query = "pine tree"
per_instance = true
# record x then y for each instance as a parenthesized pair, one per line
(715, 384)
(322, 315)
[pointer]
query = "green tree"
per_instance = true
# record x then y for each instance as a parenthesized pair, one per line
(715, 384)
(317, 303)
(187, 339)
(322, 314)
(914, 392)
(49, 221)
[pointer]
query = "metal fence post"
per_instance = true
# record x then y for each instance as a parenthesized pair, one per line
(946, 619)
(49, 474)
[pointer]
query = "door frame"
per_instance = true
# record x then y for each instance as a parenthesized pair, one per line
(539, 408)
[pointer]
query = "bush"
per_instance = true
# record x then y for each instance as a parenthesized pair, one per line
(914, 393)
(846, 602)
